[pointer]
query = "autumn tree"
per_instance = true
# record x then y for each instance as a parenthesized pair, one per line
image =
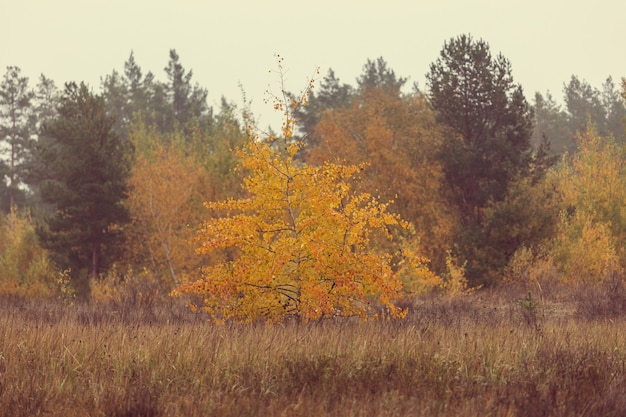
(302, 239)
(163, 185)
(81, 168)
(166, 190)
(398, 139)
(172, 175)
(593, 221)
(25, 266)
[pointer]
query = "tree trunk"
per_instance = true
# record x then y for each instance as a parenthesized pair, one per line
(95, 261)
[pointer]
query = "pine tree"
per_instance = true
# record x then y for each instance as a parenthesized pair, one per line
(15, 126)
(81, 168)
(473, 94)
(488, 144)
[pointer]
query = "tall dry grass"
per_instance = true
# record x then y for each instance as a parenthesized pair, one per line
(463, 357)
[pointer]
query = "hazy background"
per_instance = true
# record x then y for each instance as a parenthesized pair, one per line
(230, 42)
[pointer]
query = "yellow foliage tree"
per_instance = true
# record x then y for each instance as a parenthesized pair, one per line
(165, 201)
(302, 239)
(25, 267)
(593, 222)
(584, 250)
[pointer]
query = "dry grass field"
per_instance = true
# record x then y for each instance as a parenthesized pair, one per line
(486, 354)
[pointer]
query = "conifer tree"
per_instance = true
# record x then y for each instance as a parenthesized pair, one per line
(15, 127)
(81, 168)
(490, 125)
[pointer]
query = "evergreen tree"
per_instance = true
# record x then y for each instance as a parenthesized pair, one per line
(187, 101)
(488, 145)
(46, 101)
(614, 109)
(474, 95)
(135, 84)
(376, 74)
(584, 105)
(603, 108)
(81, 168)
(126, 95)
(116, 97)
(331, 94)
(15, 127)
(552, 124)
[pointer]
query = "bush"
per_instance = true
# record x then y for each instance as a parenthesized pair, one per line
(25, 267)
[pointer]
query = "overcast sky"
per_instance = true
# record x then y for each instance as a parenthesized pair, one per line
(228, 42)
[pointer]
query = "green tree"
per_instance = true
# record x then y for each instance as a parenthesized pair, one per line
(46, 101)
(377, 74)
(584, 105)
(15, 126)
(115, 93)
(81, 168)
(490, 125)
(135, 85)
(213, 145)
(128, 94)
(187, 101)
(615, 110)
(474, 95)
(552, 124)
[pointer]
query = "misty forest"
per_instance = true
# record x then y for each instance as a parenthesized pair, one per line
(409, 242)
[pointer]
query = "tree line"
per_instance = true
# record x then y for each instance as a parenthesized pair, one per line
(482, 186)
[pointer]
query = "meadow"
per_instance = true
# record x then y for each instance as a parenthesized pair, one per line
(490, 353)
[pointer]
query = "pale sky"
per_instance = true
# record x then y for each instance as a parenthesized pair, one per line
(229, 42)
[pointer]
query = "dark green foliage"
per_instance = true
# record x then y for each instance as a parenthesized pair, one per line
(584, 106)
(552, 124)
(376, 74)
(46, 101)
(169, 105)
(604, 108)
(117, 101)
(490, 124)
(187, 101)
(331, 94)
(81, 168)
(615, 110)
(474, 95)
